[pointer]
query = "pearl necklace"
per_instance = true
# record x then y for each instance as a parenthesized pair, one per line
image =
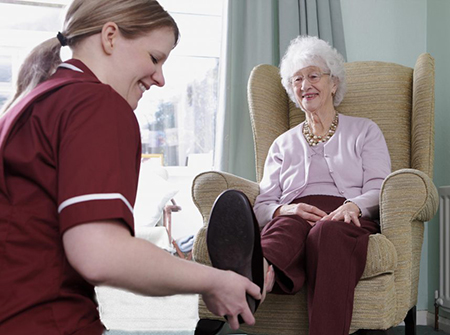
(313, 140)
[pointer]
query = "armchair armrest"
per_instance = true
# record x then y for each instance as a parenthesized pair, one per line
(408, 198)
(206, 187)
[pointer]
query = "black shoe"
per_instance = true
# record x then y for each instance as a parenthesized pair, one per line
(208, 327)
(233, 239)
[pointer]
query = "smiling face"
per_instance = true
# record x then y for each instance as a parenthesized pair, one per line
(137, 63)
(316, 96)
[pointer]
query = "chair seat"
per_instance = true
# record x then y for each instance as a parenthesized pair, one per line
(381, 257)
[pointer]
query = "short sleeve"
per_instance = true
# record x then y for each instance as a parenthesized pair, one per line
(98, 157)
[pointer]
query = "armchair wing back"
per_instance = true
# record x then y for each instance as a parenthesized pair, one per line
(401, 101)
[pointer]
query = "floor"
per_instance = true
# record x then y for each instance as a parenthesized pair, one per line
(421, 330)
(123, 332)
(128, 313)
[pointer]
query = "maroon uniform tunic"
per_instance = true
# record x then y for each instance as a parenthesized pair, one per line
(71, 157)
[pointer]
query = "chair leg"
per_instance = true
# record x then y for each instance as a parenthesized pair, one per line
(208, 327)
(410, 322)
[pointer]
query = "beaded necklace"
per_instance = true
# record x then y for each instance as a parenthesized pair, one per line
(313, 140)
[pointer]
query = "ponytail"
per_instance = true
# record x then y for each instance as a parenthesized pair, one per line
(39, 65)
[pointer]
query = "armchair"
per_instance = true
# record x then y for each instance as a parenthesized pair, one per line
(401, 101)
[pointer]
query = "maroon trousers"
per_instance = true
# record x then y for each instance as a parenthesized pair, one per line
(330, 257)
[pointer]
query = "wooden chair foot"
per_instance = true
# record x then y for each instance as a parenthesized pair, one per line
(410, 322)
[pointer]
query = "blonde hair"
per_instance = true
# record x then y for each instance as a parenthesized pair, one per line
(306, 51)
(83, 19)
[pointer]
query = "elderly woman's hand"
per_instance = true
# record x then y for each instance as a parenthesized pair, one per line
(307, 212)
(348, 212)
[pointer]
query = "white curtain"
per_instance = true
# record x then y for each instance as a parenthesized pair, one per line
(257, 32)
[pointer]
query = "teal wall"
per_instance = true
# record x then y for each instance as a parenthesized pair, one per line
(438, 45)
(384, 30)
(399, 31)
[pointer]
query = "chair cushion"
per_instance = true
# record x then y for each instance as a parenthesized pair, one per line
(381, 257)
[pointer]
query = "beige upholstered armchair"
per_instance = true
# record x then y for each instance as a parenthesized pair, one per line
(401, 101)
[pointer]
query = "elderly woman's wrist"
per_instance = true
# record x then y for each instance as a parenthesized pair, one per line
(351, 202)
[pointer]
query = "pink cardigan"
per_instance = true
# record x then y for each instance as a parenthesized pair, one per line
(357, 157)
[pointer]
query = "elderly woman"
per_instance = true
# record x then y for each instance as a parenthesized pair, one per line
(319, 196)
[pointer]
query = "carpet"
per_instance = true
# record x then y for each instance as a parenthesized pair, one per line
(421, 330)
(400, 330)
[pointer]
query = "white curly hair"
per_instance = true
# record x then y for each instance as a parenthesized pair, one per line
(305, 51)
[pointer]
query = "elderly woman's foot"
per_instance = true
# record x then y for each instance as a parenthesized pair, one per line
(269, 280)
(233, 239)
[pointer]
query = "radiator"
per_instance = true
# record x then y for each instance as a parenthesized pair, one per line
(444, 243)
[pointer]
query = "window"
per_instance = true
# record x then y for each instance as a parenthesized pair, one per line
(178, 120)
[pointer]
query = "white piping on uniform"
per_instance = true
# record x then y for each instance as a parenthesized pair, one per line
(70, 67)
(96, 196)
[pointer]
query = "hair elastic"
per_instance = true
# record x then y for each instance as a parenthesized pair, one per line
(62, 39)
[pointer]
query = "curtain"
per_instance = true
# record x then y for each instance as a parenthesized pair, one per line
(258, 32)
(322, 18)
